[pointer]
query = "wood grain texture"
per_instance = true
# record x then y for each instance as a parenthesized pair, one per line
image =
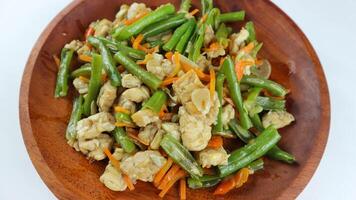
(70, 176)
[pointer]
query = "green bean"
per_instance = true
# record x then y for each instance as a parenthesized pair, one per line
(155, 43)
(137, 27)
(235, 93)
(117, 46)
(244, 156)
(250, 104)
(181, 45)
(242, 133)
(185, 6)
(256, 121)
(220, 78)
(256, 49)
(123, 117)
(206, 6)
(205, 181)
(63, 73)
(268, 103)
(222, 34)
(250, 27)
(108, 61)
(156, 101)
(256, 165)
(177, 35)
(278, 154)
(76, 115)
(275, 153)
(271, 86)
(146, 77)
(232, 16)
(181, 156)
(84, 70)
(198, 43)
(124, 141)
(94, 84)
(164, 26)
(212, 17)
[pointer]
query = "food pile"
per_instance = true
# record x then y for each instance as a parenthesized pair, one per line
(160, 92)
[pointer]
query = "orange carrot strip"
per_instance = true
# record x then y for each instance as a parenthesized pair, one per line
(236, 181)
(215, 142)
(188, 65)
(113, 160)
(135, 137)
(137, 41)
(89, 32)
(203, 18)
(193, 12)
(177, 64)
(174, 169)
(162, 172)
(249, 47)
(56, 60)
(212, 84)
(121, 109)
(123, 124)
(180, 174)
(240, 66)
(183, 189)
(85, 58)
(133, 20)
(169, 81)
(162, 111)
(169, 55)
(214, 46)
(128, 182)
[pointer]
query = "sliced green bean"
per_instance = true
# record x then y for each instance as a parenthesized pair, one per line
(206, 6)
(241, 133)
(146, 77)
(137, 27)
(181, 45)
(185, 6)
(84, 70)
(256, 121)
(108, 61)
(63, 73)
(250, 27)
(205, 181)
(271, 86)
(256, 165)
(124, 141)
(156, 101)
(235, 93)
(198, 43)
(94, 84)
(244, 156)
(220, 78)
(277, 153)
(76, 115)
(232, 16)
(163, 26)
(177, 35)
(181, 156)
(268, 103)
(250, 104)
(222, 34)
(123, 117)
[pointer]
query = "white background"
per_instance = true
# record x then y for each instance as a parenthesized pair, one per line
(329, 24)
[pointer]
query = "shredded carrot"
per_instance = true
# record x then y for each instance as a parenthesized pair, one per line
(84, 79)
(236, 181)
(215, 142)
(249, 47)
(162, 172)
(133, 20)
(214, 46)
(56, 60)
(162, 111)
(123, 124)
(188, 65)
(258, 62)
(240, 66)
(89, 32)
(135, 137)
(169, 55)
(169, 81)
(174, 169)
(121, 109)
(177, 64)
(183, 189)
(167, 116)
(137, 41)
(203, 18)
(128, 182)
(180, 174)
(85, 58)
(193, 12)
(141, 62)
(212, 84)
(113, 160)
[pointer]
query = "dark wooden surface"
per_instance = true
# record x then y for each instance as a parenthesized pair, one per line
(70, 176)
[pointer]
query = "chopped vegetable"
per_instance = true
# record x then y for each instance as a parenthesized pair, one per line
(63, 73)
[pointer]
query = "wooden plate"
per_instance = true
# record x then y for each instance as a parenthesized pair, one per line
(70, 176)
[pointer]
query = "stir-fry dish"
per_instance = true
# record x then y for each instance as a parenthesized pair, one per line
(163, 93)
